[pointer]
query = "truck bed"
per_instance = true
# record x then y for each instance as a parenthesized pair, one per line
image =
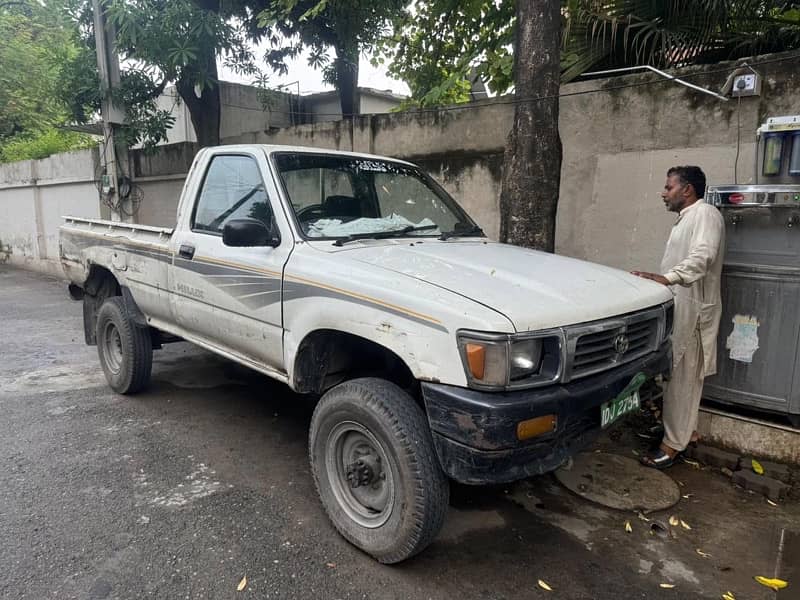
(139, 257)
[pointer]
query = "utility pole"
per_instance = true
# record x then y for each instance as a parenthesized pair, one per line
(116, 182)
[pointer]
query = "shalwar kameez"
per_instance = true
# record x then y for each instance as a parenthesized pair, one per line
(692, 264)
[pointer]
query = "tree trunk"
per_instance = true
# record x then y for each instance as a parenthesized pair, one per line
(347, 82)
(532, 161)
(204, 111)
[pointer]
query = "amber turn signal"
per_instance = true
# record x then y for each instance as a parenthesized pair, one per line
(538, 426)
(476, 358)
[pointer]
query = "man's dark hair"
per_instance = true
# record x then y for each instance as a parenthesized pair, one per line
(690, 174)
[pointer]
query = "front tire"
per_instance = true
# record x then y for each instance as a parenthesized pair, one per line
(124, 348)
(376, 470)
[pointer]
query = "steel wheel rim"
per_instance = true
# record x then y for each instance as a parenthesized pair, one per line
(370, 504)
(112, 347)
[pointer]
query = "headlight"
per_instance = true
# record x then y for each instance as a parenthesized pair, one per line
(505, 361)
(526, 357)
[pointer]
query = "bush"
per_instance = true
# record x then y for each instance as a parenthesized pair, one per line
(43, 144)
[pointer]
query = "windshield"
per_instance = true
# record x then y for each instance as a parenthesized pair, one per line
(350, 197)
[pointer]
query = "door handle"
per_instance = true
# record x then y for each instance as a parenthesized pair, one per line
(186, 251)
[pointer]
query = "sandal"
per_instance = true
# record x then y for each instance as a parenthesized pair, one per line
(659, 459)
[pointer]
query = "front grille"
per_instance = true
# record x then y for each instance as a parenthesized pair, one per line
(604, 345)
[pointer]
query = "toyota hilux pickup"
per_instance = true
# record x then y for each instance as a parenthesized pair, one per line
(432, 353)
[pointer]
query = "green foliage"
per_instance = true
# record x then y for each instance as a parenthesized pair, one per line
(180, 39)
(438, 44)
(43, 144)
(348, 27)
(672, 33)
(161, 43)
(36, 43)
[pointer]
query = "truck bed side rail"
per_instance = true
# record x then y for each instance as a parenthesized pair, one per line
(117, 225)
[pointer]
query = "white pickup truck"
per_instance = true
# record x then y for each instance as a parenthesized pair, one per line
(434, 353)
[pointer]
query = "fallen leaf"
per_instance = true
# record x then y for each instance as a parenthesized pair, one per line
(687, 496)
(666, 586)
(680, 483)
(330, 565)
(684, 524)
(775, 584)
(728, 596)
(757, 468)
(771, 503)
(701, 553)
(628, 527)
(642, 517)
(544, 586)
(694, 463)
(674, 521)
(242, 584)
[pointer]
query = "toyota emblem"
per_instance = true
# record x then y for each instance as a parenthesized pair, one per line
(621, 344)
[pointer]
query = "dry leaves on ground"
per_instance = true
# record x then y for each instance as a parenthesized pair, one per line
(775, 584)
(544, 586)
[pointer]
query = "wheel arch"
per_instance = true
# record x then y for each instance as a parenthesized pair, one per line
(99, 285)
(327, 357)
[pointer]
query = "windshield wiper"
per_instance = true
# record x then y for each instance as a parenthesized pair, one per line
(458, 232)
(382, 234)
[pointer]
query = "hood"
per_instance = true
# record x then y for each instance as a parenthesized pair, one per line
(535, 290)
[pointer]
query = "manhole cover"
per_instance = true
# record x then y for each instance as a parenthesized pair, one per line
(618, 482)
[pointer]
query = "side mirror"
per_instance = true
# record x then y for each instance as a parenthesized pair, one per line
(248, 233)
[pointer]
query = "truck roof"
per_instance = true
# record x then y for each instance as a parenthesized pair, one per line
(270, 148)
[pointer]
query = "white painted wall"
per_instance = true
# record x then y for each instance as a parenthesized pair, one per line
(34, 195)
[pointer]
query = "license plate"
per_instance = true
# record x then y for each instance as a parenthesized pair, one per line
(612, 410)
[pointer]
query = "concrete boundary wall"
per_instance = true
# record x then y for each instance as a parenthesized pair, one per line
(34, 195)
(619, 137)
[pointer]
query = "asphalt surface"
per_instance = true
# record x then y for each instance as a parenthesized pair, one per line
(202, 480)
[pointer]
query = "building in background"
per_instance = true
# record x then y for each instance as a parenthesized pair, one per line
(246, 109)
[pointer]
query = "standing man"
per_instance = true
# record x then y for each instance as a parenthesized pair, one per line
(692, 266)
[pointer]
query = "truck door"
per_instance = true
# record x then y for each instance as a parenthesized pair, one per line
(230, 297)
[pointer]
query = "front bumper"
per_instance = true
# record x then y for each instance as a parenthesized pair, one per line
(474, 432)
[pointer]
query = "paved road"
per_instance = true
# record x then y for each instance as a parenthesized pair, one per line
(183, 490)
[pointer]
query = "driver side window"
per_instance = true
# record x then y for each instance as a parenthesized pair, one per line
(232, 189)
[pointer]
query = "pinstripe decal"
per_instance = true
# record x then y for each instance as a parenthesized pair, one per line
(365, 299)
(254, 287)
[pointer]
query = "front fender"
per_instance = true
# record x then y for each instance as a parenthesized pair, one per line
(429, 350)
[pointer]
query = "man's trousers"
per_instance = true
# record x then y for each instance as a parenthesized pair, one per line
(682, 396)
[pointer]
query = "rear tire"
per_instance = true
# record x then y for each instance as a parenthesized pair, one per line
(376, 470)
(124, 348)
